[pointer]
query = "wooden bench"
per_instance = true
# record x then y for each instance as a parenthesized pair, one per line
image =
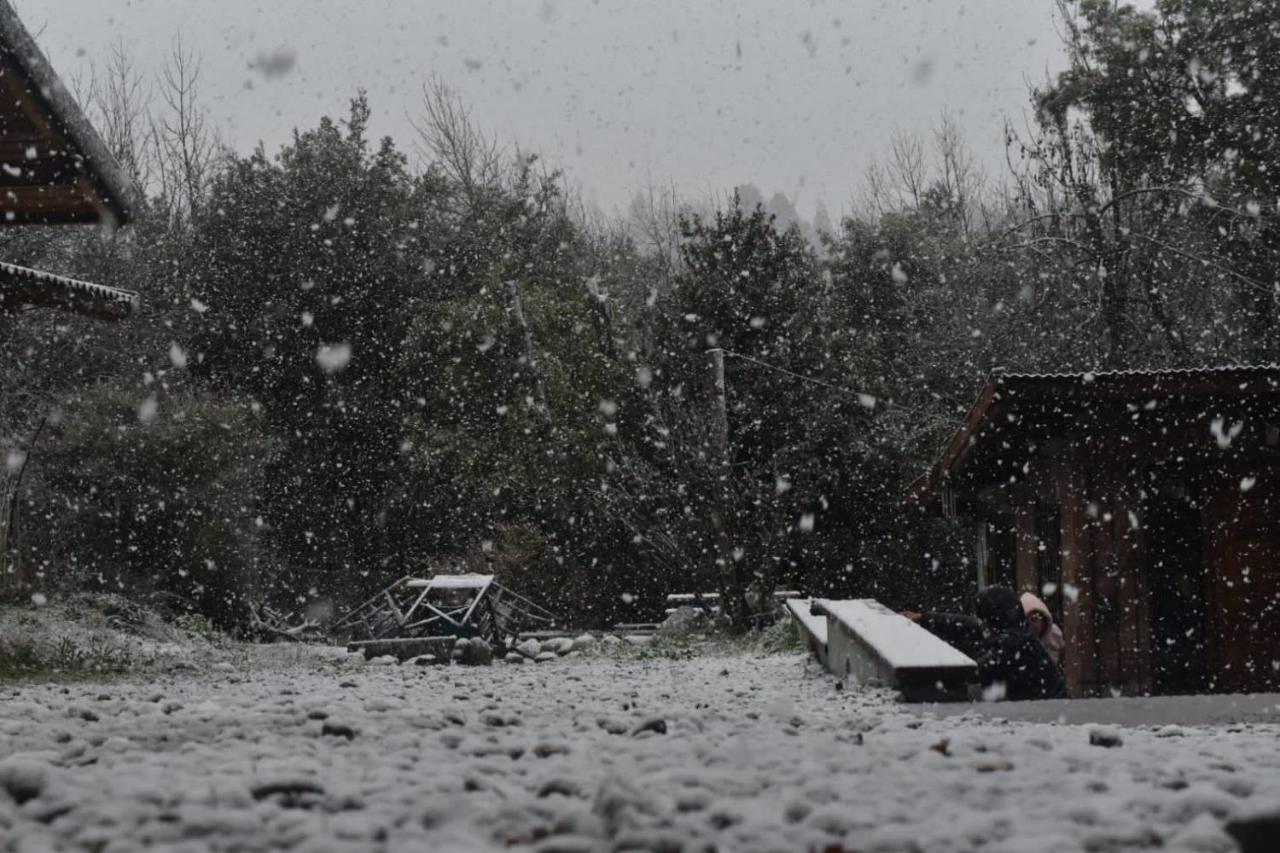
(868, 643)
(812, 627)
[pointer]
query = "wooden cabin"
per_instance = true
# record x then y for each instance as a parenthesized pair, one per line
(1144, 507)
(54, 170)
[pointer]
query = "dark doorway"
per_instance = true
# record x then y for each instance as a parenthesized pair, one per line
(1178, 583)
(1049, 558)
(1000, 543)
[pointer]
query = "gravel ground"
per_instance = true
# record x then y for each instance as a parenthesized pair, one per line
(718, 752)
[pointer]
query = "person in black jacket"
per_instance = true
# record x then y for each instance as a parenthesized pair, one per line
(1009, 657)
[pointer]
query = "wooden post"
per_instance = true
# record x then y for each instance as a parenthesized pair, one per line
(11, 562)
(732, 593)
(1079, 660)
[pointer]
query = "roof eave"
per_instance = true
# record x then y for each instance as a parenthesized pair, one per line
(121, 198)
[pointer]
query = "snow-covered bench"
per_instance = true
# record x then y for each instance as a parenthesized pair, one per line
(867, 642)
(812, 626)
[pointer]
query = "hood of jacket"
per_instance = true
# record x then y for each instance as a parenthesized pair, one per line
(1000, 609)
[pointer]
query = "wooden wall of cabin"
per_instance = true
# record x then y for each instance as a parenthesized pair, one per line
(1241, 511)
(1106, 499)
(1104, 480)
(1115, 521)
(1095, 562)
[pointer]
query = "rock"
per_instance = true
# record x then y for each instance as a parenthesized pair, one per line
(473, 652)
(1255, 834)
(610, 640)
(515, 657)
(1105, 737)
(530, 648)
(424, 660)
(584, 642)
(682, 621)
(338, 730)
(288, 788)
(637, 639)
(656, 725)
(562, 646)
(545, 656)
(223, 666)
(613, 727)
(563, 787)
(384, 660)
(546, 750)
(22, 778)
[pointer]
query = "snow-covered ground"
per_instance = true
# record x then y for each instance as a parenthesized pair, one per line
(611, 752)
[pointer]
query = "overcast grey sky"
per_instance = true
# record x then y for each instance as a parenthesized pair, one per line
(792, 96)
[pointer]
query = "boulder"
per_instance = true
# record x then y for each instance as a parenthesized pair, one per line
(545, 656)
(562, 646)
(473, 652)
(530, 648)
(683, 621)
(22, 778)
(424, 660)
(515, 657)
(584, 642)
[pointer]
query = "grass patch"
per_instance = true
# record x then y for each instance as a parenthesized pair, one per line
(714, 637)
(28, 660)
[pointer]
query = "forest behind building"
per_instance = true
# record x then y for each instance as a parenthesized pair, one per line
(360, 358)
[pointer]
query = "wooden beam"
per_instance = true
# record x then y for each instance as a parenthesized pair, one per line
(1079, 657)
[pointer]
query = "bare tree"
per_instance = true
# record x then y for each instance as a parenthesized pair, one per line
(448, 137)
(959, 177)
(185, 147)
(654, 219)
(122, 100)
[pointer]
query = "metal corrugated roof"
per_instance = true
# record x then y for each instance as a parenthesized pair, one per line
(36, 287)
(1075, 382)
(1091, 375)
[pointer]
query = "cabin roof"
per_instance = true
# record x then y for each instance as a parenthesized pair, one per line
(1006, 392)
(25, 286)
(54, 167)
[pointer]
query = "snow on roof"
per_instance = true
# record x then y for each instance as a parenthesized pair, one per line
(899, 642)
(23, 285)
(1000, 374)
(1005, 388)
(117, 198)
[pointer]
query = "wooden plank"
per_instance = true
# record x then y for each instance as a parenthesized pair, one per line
(869, 643)
(1244, 637)
(1077, 618)
(812, 627)
(1130, 558)
(1106, 590)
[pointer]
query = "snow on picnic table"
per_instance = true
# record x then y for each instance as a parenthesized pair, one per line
(736, 752)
